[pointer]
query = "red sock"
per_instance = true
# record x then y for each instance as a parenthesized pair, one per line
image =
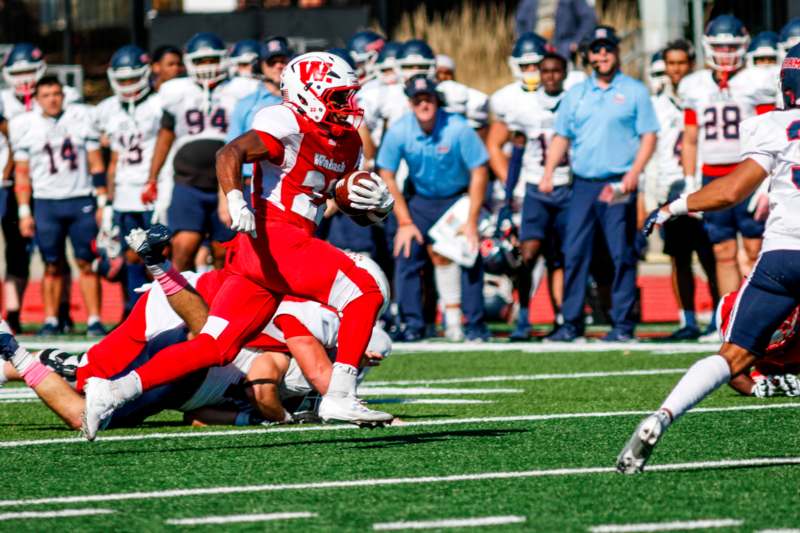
(358, 318)
(180, 360)
(118, 349)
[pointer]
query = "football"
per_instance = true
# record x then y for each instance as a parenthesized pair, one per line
(361, 217)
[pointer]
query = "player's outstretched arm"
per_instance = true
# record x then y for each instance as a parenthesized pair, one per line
(265, 373)
(729, 190)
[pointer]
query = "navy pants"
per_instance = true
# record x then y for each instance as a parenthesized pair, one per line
(408, 270)
(767, 297)
(618, 224)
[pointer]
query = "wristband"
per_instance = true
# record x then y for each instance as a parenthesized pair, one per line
(102, 200)
(24, 211)
(99, 179)
(679, 206)
(407, 223)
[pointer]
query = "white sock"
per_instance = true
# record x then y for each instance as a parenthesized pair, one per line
(448, 284)
(452, 317)
(3, 377)
(343, 380)
(128, 387)
(702, 378)
(53, 321)
(92, 319)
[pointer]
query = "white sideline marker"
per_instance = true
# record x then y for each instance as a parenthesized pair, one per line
(379, 482)
(345, 427)
(667, 526)
(237, 518)
(450, 523)
(63, 513)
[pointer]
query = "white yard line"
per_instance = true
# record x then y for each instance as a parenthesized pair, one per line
(667, 526)
(429, 401)
(237, 518)
(530, 377)
(443, 346)
(63, 513)
(422, 423)
(369, 390)
(342, 484)
(450, 523)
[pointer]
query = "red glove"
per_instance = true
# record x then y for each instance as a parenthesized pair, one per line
(150, 192)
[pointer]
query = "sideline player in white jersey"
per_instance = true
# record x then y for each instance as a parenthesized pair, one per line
(130, 119)
(526, 109)
(763, 51)
(23, 67)
(197, 111)
(460, 99)
(58, 163)
(770, 150)
(370, 96)
(716, 100)
(685, 235)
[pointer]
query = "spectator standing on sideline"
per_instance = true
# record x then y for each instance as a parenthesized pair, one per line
(166, 64)
(58, 163)
(445, 158)
(575, 20)
(610, 123)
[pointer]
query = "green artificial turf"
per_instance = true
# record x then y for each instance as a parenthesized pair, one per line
(310, 456)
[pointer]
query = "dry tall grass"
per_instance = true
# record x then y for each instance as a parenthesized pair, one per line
(478, 38)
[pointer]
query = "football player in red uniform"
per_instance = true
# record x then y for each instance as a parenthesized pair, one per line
(300, 148)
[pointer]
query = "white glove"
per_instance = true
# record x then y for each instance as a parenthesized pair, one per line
(763, 388)
(242, 219)
(789, 384)
(368, 195)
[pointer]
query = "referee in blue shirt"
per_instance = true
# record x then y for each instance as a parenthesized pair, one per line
(445, 159)
(610, 123)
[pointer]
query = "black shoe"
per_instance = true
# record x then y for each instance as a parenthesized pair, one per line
(410, 335)
(12, 317)
(686, 333)
(618, 335)
(566, 333)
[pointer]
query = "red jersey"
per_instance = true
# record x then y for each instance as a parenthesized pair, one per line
(305, 162)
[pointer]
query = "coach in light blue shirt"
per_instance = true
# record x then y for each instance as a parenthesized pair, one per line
(610, 123)
(445, 159)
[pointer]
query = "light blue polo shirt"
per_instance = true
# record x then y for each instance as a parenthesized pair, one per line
(243, 113)
(604, 125)
(439, 164)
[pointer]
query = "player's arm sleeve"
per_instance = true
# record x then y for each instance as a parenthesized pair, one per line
(473, 151)
(291, 327)
(391, 150)
(646, 119)
(759, 143)
(565, 113)
(91, 133)
(689, 105)
(17, 138)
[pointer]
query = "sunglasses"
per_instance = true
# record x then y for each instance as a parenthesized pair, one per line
(599, 47)
(422, 98)
(271, 62)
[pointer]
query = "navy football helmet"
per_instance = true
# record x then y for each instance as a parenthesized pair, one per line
(205, 58)
(23, 67)
(790, 78)
(657, 73)
(386, 64)
(344, 54)
(529, 49)
(764, 46)
(129, 73)
(789, 36)
(725, 42)
(244, 57)
(364, 47)
(416, 57)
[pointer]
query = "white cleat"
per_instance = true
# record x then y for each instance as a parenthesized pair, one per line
(352, 410)
(100, 404)
(637, 451)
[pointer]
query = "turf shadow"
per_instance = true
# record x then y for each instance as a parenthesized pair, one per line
(384, 441)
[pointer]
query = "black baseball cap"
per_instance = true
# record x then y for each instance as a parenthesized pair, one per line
(276, 46)
(420, 84)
